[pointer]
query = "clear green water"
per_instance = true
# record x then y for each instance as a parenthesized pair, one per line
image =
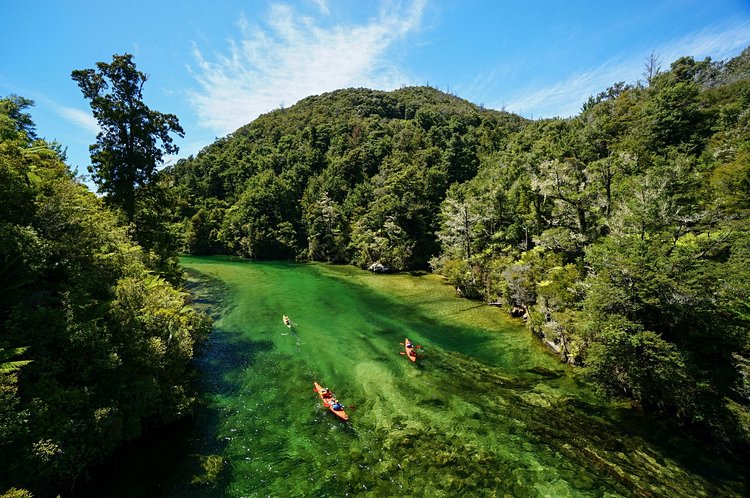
(486, 412)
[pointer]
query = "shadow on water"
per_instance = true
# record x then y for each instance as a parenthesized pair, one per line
(185, 458)
(208, 293)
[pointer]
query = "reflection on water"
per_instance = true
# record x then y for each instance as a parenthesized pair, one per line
(486, 412)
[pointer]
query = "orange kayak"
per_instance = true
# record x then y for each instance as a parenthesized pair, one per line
(329, 400)
(411, 353)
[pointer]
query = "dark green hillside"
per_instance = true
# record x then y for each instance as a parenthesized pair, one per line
(354, 175)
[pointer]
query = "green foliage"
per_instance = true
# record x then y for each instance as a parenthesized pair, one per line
(259, 225)
(522, 276)
(326, 228)
(640, 364)
(127, 150)
(16, 125)
(211, 467)
(203, 233)
(17, 493)
(92, 346)
(7, 366)
(157, 228)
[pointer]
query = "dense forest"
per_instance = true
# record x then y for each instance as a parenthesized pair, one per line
(350, 176)
(620, 234)
(95, 341)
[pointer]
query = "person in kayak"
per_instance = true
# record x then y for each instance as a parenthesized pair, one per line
(336, 405)
(326, 392)
(409, 344)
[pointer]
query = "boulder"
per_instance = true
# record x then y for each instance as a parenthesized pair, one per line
(378, 267)
(518, 312)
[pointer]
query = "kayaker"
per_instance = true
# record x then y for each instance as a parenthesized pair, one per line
(409, 344)
(337, 406)
(326, 392)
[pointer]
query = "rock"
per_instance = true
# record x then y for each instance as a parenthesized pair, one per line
(557, 348)
(517, 311)
(378, 267)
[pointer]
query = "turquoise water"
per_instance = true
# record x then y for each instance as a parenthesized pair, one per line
(487, 411)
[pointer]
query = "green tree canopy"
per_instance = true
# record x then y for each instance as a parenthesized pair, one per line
(93, 347)
(133, 138)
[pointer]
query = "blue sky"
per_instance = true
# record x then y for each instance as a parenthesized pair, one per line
(218, 65)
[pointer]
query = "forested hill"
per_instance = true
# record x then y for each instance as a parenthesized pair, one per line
(354, 175)
(621, 234)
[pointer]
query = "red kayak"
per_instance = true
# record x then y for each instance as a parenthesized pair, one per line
(411, 352)
(330, 401)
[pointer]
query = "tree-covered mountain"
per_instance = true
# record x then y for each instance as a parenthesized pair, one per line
(621, 233)
(349, 176)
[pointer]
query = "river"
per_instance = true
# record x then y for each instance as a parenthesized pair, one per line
(486, 410)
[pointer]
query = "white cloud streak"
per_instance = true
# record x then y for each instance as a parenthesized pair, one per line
(566, 97)
(323, 6)
(83, 120)
(293, 58)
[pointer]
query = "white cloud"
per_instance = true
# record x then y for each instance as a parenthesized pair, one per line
(566, 97)
(712, 42)
(79, 118)
(323, 6)
(294, 57)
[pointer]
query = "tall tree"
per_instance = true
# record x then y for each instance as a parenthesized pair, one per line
(133, 138)
(462, 214)
(651, 68)
(14, 123)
